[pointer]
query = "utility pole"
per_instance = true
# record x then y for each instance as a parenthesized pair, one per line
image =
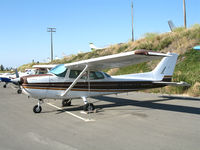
(132, 21)
(184, 11)
(51, 30)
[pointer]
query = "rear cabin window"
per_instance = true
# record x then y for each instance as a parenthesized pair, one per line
(99, 75)
(93, 75)
(41, 71)
(74, 73)
(107, 75)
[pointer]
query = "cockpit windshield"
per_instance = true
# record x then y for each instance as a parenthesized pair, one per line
(59, 70)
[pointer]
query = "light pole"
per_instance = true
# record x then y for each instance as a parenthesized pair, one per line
(51, 30)
(184, 11)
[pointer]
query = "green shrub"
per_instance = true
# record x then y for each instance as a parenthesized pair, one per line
(137, 68)
(164, 43)
(122, 48)
(179, 29)
(146, 45)
(151, 36)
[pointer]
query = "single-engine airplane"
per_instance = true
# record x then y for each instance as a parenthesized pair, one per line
(7, 77)
(93, 47)
(85, 78)
(15, 77)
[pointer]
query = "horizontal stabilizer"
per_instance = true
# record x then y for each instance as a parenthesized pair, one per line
(3, 79)
(174, 83)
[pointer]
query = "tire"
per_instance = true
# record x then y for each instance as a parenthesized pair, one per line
(37, 109)
(88, 107)
(19, 91)
(66, 102)
(4, 86)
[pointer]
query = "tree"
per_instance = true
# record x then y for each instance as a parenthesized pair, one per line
(2, 68)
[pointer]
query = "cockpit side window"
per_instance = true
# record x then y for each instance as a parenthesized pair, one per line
(93, 75)
(59, 70)
(62, 74)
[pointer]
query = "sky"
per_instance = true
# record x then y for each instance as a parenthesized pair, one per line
(24, 23)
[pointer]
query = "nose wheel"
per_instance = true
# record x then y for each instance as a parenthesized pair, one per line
(19, 91)
(37, 108)
(5, 85)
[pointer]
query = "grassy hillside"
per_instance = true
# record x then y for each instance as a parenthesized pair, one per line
(180, 41)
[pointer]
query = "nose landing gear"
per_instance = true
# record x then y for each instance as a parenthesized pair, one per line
(37, 108)
(19, 91)
(5, 85)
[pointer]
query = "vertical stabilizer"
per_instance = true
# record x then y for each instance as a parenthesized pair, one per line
(165, 68)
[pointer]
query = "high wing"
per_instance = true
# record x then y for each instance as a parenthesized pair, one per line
(112, 61)
(117, 60)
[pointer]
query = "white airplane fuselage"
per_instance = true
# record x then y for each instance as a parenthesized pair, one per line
(50, 86)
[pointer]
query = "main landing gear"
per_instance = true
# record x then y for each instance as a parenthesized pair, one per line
(37, 108)
(88, 106)
(66, 102)
(5, 85)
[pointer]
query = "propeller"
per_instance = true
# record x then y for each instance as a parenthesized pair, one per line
(16, 73)
(17, 81)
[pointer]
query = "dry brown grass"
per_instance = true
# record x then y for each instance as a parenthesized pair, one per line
(112, 71)
(194, 90)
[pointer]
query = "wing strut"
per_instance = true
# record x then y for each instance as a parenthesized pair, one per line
(75, 81)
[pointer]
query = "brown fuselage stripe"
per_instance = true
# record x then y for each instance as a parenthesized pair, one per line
(43, 88)
(96, 86)
(83, 90)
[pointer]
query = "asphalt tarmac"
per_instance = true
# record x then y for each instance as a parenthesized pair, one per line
(122, 122)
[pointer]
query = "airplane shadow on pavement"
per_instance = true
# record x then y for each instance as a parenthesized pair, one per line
(152, 104)
(181, 98)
